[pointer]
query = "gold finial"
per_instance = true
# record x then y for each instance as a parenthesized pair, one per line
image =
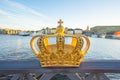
(60, 22)
(60, 28)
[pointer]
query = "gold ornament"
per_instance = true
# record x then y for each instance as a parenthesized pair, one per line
(60, 54)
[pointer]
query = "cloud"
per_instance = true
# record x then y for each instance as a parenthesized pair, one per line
(15, 14)
(3, 12)
(24, 8)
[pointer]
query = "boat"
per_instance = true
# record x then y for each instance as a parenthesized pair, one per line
(23, 33)
(102, 35)
(35, 33)
(94, 35)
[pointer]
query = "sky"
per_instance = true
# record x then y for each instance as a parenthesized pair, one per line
(38, 14)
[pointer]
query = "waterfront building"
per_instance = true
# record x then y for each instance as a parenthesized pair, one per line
(17, 32)
(116, 35)
(87, 32)
(47, 30)
(66, 29)
(12, 31)
(53, 31)
(88, 29)
(2, 31)
(78, 31)
(70, 31)
(9, 31)
(109, 34)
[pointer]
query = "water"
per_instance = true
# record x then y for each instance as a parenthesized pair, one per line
(104, 49)
(14, 47)
(18, 47)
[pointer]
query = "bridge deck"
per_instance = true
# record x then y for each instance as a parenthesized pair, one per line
(33, 66)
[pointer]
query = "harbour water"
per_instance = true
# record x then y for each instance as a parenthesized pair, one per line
(18, 47)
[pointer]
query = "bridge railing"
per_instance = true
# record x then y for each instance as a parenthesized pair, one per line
(31, 70)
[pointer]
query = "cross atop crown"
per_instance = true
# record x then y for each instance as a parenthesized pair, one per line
(60, 22)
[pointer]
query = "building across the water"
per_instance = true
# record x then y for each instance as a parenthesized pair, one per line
(46, 30)
(78, 31)
(73, 31)
(116, 35)
(12, 31)
(53, 30)
(2, 31)
(9, 31)
(70, 31)
(67, 30)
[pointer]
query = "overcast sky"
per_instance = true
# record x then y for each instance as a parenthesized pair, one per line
(36, 14)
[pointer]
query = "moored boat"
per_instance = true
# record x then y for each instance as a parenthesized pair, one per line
(24, 33)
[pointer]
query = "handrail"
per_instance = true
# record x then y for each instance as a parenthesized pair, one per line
(33, 66)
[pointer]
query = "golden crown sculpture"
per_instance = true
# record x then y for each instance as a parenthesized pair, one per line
(60, 54)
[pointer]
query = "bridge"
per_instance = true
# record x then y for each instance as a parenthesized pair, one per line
(31, 70)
